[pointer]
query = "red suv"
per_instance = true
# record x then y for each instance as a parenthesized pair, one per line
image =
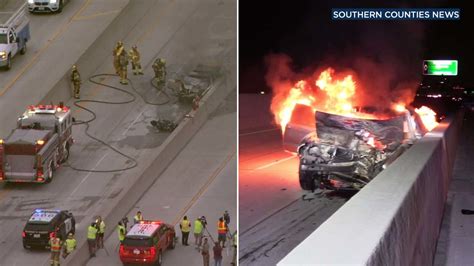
(145, 243)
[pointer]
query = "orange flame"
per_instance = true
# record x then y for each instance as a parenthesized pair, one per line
(339, 92)
(428, 117)
(295, 96)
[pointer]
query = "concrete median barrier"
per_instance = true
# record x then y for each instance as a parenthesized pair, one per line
(165, 154)
(395, 219)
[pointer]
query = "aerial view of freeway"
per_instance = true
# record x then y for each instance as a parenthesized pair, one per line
(348, 133)
(113, 108)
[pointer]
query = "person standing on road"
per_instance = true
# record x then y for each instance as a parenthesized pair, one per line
(121, 231)
(123, 60)
(205, 252)
(226, 218)
(138, 217)
(234, 245)
(159, 67)
(185, 227)
(69, 245)
(116, 55)
(198, 232)
(100, 232)
(135, 58)
(221, 231)
(55, 244)
(76, 81)
(217, 254)
(91, 238)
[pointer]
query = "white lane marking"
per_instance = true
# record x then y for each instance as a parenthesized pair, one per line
(276, 162)
(260, 131)
(131, 124)
(87, 176)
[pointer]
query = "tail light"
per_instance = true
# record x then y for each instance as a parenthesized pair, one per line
(152, 251)
(121, 250)
(23, 234)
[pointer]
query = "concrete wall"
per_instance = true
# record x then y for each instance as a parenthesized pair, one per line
(251, 113)
(395, 219)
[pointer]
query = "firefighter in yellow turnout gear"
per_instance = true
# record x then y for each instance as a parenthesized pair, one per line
(55, 244)
(135, 58)
(159, 66)
(69, 245)
(76, 81)
(116, 55)
(123, 61)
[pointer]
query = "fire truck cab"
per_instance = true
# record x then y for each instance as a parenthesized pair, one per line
(38, 145)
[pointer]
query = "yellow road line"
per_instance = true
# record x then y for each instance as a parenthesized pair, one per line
(97, 15)
(46, 46)
(203, 189)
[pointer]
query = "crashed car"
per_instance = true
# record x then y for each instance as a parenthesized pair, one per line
(345, 153)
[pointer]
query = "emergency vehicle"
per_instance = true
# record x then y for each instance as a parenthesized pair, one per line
(146, 241)
(43, 223)
(38, 145)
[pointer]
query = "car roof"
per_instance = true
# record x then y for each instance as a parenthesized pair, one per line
(43, 216)
(144, 229)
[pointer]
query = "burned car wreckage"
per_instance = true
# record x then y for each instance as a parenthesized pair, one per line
(345, 153)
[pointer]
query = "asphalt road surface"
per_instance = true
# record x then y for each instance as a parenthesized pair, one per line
(188, 188)
(273, 217)
(188, 34)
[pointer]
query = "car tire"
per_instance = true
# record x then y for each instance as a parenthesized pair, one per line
(173, 243)
(23, 49)
(60, 8)
(26, 247)
(306, 180)
(159, 259)
(9, 63)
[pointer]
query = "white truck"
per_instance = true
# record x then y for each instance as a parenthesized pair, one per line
(14, 34)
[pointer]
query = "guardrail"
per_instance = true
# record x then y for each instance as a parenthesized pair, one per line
(395, 219)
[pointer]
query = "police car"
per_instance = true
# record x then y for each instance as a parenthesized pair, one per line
(146, 241)
(42, 223)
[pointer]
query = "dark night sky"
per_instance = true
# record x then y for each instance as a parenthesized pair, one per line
(304, 31)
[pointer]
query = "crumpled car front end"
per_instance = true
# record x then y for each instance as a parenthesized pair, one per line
(345, 153)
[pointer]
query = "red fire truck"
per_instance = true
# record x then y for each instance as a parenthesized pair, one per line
(38, 145)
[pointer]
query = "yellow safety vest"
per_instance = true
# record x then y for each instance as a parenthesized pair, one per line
(137, 218)
(102, 227)
(70, 245)
(55, 244)
(185, 226)
(197, 227)
(91, 232)
(121, 232)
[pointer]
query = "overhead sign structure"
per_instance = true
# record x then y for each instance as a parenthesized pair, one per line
(440, 67)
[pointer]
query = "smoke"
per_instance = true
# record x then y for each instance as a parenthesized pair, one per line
(384, 58)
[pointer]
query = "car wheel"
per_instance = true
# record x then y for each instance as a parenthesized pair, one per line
(159, 259)
(26, 247)
(307, 181)
(50, 173)
(60, 8)
(172, 243)
(23, 49)
(9, 63)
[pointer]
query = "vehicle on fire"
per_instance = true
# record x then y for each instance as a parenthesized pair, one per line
(346, 153)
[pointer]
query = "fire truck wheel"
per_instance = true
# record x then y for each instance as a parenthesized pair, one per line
(50, 172)
(159, 259)
(66, 153)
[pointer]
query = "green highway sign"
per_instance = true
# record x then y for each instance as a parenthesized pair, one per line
(440, 67)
